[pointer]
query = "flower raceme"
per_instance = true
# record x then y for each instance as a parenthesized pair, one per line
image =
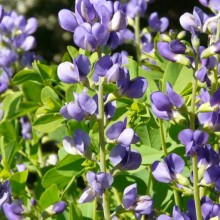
(94, 22)
(163, 105)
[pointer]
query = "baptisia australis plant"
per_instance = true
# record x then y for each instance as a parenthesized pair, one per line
(113, 124)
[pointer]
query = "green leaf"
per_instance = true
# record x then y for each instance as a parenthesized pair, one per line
(49, 196)
(50, 98)
(10, 150)
(56, 177)
(66, 169)
(44, 71)
(151, 83)
(48, 122)
(87, 210)
(10, 104)
(149, 155)
(26, 75)
(75, 212)
(18, 181)
(149, 136)
(7, 131)
(73, 52)
(184, 79)
(171, 74)
(132, 66)
(28, 88)
(71, 165)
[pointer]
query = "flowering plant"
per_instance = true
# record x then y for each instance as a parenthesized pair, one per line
(106, 134)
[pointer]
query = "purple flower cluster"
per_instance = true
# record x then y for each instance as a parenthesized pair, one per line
(98, 183)
(17, 41)
(141, 205)
(82, 107)
(94, 23)
(121, 155)
(112, 69)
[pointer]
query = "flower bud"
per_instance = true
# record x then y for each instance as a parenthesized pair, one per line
(165, 38)
(182, 180)
(181, 35)
(212, 50)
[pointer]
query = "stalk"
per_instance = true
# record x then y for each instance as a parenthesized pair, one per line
(102, 145)
(137, 39)
(196, 192)
(163, 140)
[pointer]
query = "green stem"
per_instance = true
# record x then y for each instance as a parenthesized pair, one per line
(102, 145)
(137, 39)
(196, 192)
(196, 188)
(163, 139)
(94, 210)
(176, 197)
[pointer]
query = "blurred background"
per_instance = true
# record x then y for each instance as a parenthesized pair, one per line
(52, 40)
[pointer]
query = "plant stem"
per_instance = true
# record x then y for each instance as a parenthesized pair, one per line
(137, 39)
(102, 146)
(196, 192)
(163, 140)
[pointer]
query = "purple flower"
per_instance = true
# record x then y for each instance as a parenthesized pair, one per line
(5, 193)
(59, 207)
(163, 104)
(174, 51)
(210, 119)
(13, 211)
(177, 215)
(207, 156)
(83, 106)
(125, 158)
(67, 20)
(212, 50)
(212, 175)
(109, 107)
(192, 140)
(168, 170)
(7, 57)
(26, 130)
(98, 183)
(79, 144)
(93, 23)
(136, 8)
(212, 4)
(158, 24)
(89, 37)
(139, 204)
(193, 21)
(74, 72)
(146, 43)
(205, 66)
(122, 135)
(208, 208)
